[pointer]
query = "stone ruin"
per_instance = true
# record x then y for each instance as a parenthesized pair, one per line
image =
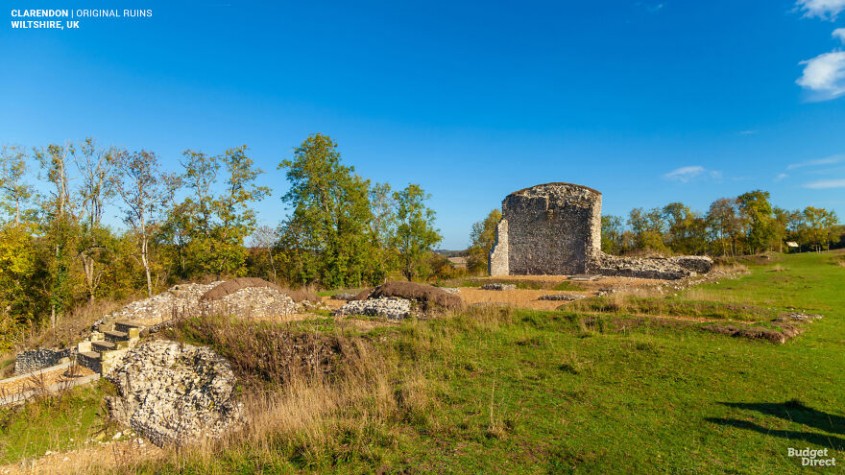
(555, 229)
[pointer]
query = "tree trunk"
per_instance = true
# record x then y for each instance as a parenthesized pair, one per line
(146, 264)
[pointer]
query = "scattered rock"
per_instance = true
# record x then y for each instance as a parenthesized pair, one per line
(562, 297)
(390, 307)
(780, 335)
(799, 317)
(498, 286)
(669, 268)
(173, 393)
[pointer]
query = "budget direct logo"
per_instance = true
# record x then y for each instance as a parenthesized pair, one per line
(812, 457)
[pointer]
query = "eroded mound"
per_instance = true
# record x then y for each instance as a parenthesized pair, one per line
(231, 286)
(428, 297)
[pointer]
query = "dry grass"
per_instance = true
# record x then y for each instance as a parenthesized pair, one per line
(519, 298)
(728, 270)
(263, 352)
(40, 381)
(114, 457)
(309, 416)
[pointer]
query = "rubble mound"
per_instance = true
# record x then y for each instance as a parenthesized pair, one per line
(243, 297)
(174, 394)
(391, 308)
(259, 302)
(427, 297)
(179, 300)
(231, 286)
(669, 268)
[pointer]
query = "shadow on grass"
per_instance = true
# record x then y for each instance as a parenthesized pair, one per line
(829, 441)
(795, 411)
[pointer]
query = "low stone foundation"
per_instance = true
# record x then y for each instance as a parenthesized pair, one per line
(33, 360)
(670, 268)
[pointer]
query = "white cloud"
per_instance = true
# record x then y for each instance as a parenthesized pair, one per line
(824, 76)
(832, 160)
(824, 9)
(651, 7)
(684, 174)
(748, 132)
(781, 177)
(687, 174)
(825, 184)
(839, 34)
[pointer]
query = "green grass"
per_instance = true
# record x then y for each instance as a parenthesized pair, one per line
(58, 423)
(564, 392)
(677, 306)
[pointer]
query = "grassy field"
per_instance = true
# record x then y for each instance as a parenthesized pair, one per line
(518, 391)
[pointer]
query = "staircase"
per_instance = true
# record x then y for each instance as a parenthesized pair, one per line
(100, 351)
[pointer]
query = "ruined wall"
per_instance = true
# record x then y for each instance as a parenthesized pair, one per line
(33, 360)
(499, 253)
(551, 229)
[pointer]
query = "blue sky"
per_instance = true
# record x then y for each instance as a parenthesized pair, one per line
(647, 101)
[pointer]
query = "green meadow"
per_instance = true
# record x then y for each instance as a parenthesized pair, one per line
(503, 390)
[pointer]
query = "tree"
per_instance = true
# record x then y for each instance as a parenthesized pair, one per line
(723, 224)
(415, 234)
(263, 242)
(15, 194)
(648, 228)
(611, 234)
(328, 235)
(483, 237)
(383, 229)
(97, 167)
(60, 229)
(757, 220)
(819, 223)
(19, 306)
(144, 194)
(195, 215)
(236, 216)
(686, 229)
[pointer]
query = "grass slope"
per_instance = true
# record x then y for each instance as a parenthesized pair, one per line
(511, 391)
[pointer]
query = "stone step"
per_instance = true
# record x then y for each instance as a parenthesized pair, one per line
(103, 346)
(91, 360)
(114, 335)
(125, 326)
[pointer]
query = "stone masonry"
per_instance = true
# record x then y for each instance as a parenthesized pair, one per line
(555, 229)
(34, 360)
(551, 229)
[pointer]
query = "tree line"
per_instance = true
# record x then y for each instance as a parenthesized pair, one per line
(57, 252)
(746, 224)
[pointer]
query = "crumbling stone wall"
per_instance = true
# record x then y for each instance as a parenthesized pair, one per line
(174, 393)
(33, 360)
(550, 229)
(555, 229)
